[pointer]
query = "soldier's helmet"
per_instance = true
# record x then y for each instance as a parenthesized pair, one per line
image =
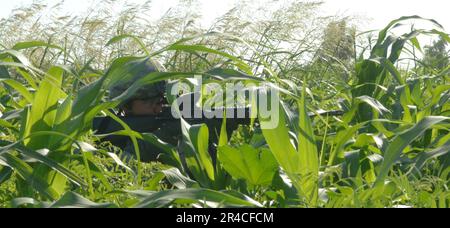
(142, 69)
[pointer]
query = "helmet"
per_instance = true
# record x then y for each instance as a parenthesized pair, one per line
(140, 69)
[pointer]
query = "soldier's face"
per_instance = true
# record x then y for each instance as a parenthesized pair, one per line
(146, 107)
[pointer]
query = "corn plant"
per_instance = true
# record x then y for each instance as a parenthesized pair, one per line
(390, 147)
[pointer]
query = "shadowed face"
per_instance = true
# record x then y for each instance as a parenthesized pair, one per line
(145, 107)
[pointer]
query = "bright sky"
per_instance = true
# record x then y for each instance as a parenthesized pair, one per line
(383, 11)
(380, 11)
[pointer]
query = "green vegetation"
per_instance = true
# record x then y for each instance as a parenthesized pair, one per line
(391, 148)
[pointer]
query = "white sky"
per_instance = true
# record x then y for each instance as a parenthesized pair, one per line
(383, 11)
(380, 11)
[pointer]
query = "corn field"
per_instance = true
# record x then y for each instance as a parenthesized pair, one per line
(389, 148)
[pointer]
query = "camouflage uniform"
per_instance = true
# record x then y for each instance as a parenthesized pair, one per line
(148, 151)
(146, 92)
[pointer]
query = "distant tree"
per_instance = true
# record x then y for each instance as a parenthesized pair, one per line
(338, 40)
(436, 55)
(336, 54)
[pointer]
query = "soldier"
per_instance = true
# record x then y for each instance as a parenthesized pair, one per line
(147, 101)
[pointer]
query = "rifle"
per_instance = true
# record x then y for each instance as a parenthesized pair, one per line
(168, 128)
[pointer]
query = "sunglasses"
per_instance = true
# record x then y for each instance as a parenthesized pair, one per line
(160, 99)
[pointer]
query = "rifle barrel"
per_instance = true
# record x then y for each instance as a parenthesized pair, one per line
(152, 123)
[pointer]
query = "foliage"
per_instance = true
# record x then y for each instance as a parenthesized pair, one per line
(390, 148)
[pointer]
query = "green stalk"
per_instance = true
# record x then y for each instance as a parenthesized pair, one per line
(135, 144)
(88, 175)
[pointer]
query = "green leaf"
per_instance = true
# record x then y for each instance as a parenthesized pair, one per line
(73, 200)
(26, 172)
(24, 201)
(62, 117)
(28, 77)
(223, 137)
(308, 154)
(19, 88)
(169, 156)
(44, 109)
(257, 167)
(161, 199)
(6, 124)
(120, 162)
(195, 147)
(194, 48)
(341, 139)
(24, 61)
(33, 44)
(399, 143)
(199, 137)
(375, 104)
(281, 145)
(426, 156)
(5, 173)
(351, 166)
(383, 33)
(119, 38)
(178, 180)
(87, 97)
(51, 164)
(389, 66)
